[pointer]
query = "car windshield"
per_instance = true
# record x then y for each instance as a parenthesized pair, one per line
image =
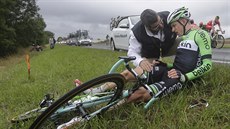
(135, 19)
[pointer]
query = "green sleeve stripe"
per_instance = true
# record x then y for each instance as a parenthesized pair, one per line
(169, 65)
(208, 56)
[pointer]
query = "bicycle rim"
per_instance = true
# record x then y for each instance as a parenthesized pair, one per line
(61, 111)
(28, 115)
(220, 41)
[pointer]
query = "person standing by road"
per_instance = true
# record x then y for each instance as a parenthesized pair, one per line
(52, 42)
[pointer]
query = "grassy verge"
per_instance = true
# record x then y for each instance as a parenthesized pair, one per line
(227, 43)
(53, 71)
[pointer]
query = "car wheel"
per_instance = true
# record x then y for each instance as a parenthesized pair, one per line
(112, 45)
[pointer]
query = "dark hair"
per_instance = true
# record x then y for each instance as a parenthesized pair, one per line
(191, 21)
(148, 17)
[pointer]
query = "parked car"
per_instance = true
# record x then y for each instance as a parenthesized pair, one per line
(72, 42)
(85, 42)
(120, 31)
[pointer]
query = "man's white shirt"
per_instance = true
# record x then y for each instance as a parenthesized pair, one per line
(135, 46)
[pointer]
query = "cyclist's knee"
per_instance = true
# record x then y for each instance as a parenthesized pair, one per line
(137, 96)
(127, 75)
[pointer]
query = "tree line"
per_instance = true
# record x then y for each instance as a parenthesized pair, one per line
(20, 26)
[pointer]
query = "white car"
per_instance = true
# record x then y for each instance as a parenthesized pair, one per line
(119, 37)
(85, 42)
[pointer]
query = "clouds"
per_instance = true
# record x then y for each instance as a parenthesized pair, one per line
(64, 17)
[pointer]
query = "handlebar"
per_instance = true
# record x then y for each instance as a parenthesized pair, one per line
(217, 31)
(141, 80)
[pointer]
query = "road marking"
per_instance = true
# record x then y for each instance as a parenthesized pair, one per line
(222, 62)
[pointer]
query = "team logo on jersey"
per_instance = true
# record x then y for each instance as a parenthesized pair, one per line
(188, 44)
(205, 39)
(202, 70)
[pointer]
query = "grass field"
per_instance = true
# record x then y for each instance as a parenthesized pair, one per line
(227, 43)
(53, 71)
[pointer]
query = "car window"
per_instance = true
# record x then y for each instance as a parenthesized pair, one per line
(123, 22)
(134, 19)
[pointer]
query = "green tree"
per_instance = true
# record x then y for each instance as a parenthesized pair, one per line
(47, 35)
(7, 32)
(29, 24)
(59, 39)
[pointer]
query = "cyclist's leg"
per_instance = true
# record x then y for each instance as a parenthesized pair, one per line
(110, 85)
(155, 76)
(144, 95)
(140, 95)
(213, 31)
(129, 76)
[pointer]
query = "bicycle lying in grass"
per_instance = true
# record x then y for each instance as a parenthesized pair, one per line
(217, 40)
(75, 107)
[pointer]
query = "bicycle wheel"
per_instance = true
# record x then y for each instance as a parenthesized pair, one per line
(28, 115)
(219, 41)
(61, 111)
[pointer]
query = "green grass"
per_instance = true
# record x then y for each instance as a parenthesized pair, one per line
(53, 71)
(226, 45)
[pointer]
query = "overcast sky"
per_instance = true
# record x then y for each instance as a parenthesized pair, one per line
(65, 16)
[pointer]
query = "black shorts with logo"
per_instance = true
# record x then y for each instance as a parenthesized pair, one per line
(159, 77)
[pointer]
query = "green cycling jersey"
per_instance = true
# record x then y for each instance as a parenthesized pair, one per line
(194, 53)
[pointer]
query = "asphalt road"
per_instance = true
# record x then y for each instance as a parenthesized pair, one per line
(219, 55)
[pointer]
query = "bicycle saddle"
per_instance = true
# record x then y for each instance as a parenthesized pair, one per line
(127, 58)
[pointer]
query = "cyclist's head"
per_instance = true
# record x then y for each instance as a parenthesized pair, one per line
(151, 20)
(178, 14)
(201, 24)
(191, 21)
(217, 17)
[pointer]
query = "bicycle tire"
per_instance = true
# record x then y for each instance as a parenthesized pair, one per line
(219, 41)
(44, 117)
(28, 115)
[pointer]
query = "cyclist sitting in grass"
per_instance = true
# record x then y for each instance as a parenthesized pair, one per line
(193, 59)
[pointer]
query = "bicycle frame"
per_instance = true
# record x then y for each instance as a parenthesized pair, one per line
(116, 65)
(126, 94)
(82, 103)
(107, 98)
